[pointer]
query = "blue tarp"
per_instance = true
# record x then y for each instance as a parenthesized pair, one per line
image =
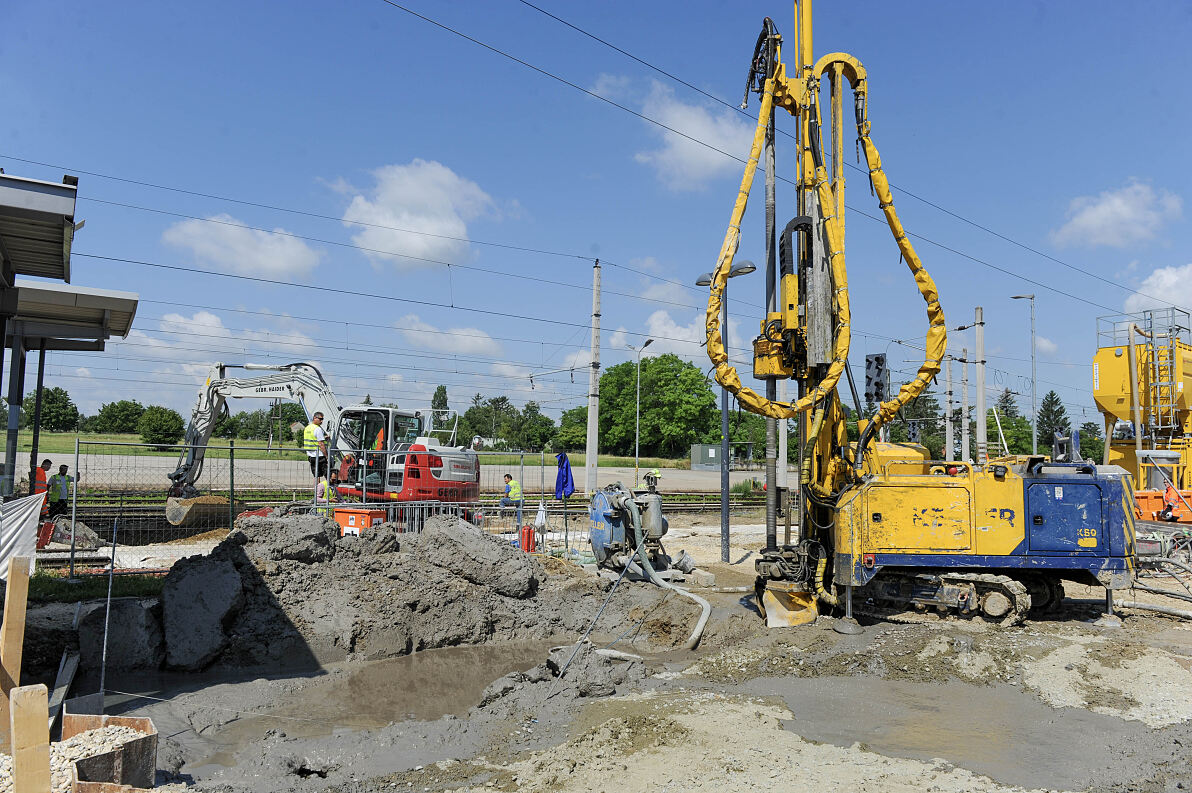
(564, 482)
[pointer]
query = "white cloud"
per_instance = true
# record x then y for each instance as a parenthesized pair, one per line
(1117, 218)
(225, 244)
(461, 341)
(610, 86)
(83, 371)
(1046, 345)
(1165, 286)
(683, 164)
(683, 340)
(424, 196)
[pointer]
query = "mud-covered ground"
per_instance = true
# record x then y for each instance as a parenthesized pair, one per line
(1060, 703)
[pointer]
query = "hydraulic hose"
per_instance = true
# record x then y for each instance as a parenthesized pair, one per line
(820, 592)
(706, 607)
(726, 374)
(1160, 591)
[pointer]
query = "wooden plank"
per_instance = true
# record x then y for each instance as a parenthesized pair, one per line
(66, 674)
(30, 739)
(12, 636)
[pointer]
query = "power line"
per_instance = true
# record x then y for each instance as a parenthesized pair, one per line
(364, 249)
(857, 168)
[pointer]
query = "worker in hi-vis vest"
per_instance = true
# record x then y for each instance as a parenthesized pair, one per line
(59, 493)
(513, 496)
(314, 443)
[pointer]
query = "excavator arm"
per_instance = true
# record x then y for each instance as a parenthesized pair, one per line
(296, 382)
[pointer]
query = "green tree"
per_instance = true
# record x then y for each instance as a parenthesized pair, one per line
(1005, 404)
(367, 399)
(678, 407)
(534, 430)
(118, 417)
(58, 412)
(227, 426)
(1092, 445)
(1053, 420)
(924, 415)
(160, 426)
(572, 434)
(439, 400)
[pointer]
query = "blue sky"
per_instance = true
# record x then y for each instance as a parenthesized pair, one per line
(1058, 125)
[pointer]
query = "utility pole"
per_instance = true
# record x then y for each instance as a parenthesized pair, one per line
(965, 454)
(1034, 378)
(949, 434)
(982, 441)
(592, 451)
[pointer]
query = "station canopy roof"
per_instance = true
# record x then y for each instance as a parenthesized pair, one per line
(69, 317)
(37, 225)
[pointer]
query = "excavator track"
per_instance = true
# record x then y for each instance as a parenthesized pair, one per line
(999, 598)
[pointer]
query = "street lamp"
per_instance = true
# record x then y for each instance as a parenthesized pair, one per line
(637, 413)
(1034, 376)
(740, 268)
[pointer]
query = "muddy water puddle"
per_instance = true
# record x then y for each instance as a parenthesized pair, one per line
(422, 686)
(998, 730)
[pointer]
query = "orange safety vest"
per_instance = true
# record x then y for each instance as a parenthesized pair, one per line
(380, 442)
(1172, 499)
(39, 481)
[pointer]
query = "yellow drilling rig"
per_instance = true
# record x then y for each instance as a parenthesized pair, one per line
(878, 523)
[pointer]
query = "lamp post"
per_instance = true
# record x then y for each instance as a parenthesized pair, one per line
(637, 413)
(1034, 377)
(740, 268)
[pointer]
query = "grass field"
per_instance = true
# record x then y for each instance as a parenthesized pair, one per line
(59, 446)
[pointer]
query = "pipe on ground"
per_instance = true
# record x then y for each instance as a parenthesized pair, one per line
(706, 607)
(1132, 604)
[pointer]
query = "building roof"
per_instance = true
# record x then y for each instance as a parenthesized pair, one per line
(70, 317)
(37, 226)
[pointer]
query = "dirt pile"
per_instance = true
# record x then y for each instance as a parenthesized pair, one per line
(290, 592)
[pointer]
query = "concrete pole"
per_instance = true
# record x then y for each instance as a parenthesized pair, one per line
(949, 433)
(982, 441)
(592, 450)
(965, 453)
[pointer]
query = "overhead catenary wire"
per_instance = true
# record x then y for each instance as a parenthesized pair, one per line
(741, 110)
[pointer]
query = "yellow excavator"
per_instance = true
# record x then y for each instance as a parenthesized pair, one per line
(881, 523)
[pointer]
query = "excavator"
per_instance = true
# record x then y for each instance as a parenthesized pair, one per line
(381, 453)
(880, 527)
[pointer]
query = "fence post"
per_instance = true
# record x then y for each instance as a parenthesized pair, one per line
(231, 483)
(74, 512)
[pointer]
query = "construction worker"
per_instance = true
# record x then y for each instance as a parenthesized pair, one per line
(327, 493)
(1171, 504)
(314, 443)
(39, 483)
(513, 496)
(59, 489)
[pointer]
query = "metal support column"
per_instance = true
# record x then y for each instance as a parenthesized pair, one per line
(16, 388)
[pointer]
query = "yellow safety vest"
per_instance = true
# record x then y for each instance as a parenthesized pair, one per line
(515, 493)
(59, 487)
(310, 442)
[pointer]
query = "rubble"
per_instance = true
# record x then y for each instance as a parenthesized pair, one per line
(134, 634)
(290, 592)
(64, 754)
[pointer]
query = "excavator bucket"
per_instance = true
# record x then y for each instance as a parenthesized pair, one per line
(198, 511)
(785, 605)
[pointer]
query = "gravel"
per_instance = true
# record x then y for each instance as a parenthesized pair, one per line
(64, 754)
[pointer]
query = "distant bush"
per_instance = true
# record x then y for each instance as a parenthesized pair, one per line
(160, 426)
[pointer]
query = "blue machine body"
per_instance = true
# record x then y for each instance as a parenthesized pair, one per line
(1077, 524)
(607, 530)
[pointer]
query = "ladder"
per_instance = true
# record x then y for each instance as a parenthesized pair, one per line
(1161, 352)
